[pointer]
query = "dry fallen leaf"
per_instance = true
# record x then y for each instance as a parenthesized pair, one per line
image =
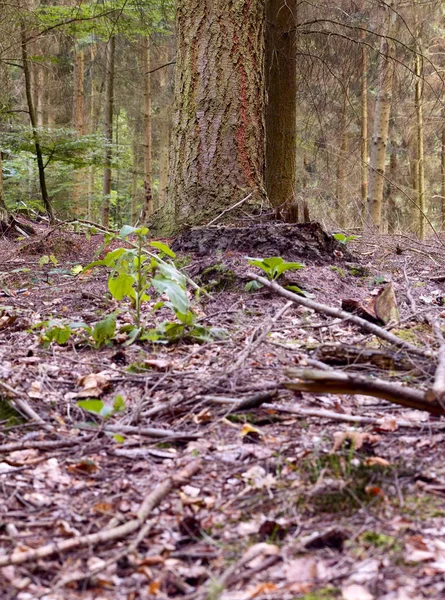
(301, 570)
(94, 385)
(356, 592)
(356, 438)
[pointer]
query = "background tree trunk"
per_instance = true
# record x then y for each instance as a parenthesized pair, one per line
(33, 120)
(381, 127)
(364, 155)
(281, 110)
(147, 207)
(164, 127)
(419, 122)
(109, 104)
(217, 154)
(79, 122)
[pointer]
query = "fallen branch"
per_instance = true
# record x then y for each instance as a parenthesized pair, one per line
(249, 403)
(229, 209)
(23, 406)
(438, 390)
(107, 535)
(333, 382)
(145, 431)
(341, 314)
(43, 444)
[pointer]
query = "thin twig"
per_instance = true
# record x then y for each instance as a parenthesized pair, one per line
(229, 209)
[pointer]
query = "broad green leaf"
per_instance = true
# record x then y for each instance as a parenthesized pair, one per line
(126, 230)
(118, 438)
(253, 286)
(287, 266)
(44, 260)
(54, 260)
(113, 256)
(176, 294)
(93, 406)
(172, 272)
(163, 248)
(77, 269)
(121, 286)
(104, 330)
(119, 403)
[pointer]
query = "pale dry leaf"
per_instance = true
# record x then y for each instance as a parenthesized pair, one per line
(356, 592)
(373, 461)
(35, 391)
(365, 571)
(94, 385)
(258, 549)
(301, 570)
(23, 457)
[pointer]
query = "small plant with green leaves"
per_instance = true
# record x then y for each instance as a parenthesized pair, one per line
(274, 267)
(60, 331)
(344, 239)
(134, 270)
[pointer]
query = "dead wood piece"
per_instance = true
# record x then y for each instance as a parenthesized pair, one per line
(43, 444)
(333, 382)
(101, 537)
(23, 406)
(386, 360)
(341, 314)
(145, 431)
(439, 378)
(249, 403)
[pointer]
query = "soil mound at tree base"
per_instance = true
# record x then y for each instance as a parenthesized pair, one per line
(304, 241)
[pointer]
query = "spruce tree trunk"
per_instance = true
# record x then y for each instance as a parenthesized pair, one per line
(164, 127)
(381, 127)
(217, 156)
(342, 163)
(4, 217)
(33, 120)
(147, 207)
(109, 105)
(364, 155)
(420, 145)
(442, 171)
(281, 111)
(79, 122)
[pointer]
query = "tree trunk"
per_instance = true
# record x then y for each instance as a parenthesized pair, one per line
(109, 105)
(79, 122)
(33, 120)
(92, 129)
(391, 207)
(218, 137)
(442, 170)
(164, 128)
(341, 164)
(364, 155)
(420, 171)
(135, 172)
(381, 127)
(281, 110)
(147, 207)
(4, 217)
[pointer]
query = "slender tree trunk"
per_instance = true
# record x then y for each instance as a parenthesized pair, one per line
(442, 170)
(381, 126)
(135, 173)
(164, 128)
(79, 122)
(218, 138)
(33, 120)
(420, 134)
(109, 105)
(364, 155)
(341, 164)
(391, 211)
(3, 209)
(281, 110)
(39, 85)
(147, 207)
(92, 129)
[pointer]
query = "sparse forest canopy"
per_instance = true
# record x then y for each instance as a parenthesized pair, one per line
(222, 299)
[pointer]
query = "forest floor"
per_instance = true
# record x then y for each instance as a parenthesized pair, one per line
(275, 502)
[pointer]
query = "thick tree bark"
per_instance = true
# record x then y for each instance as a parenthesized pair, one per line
(33, 120)
(381, 127)
(217, 154)
(109, 106)
(147, 207)
(281, 111)
(3, 210)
